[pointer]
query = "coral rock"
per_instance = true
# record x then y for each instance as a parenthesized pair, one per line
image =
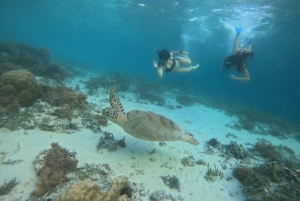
(87, 190)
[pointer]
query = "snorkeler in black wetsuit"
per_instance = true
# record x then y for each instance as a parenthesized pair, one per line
(168, 64)
(238, 59)
(167, 70)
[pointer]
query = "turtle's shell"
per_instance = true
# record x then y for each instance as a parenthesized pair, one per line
(152, 127)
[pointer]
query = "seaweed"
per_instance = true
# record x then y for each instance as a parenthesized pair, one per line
(171, 181)
(287, 149)
(8, 186)
(241, 173)
(188, 161)
(212, 175)
(214, 143)
(266, 150)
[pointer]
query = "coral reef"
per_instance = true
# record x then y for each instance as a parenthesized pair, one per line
(18, 87)
(8, 186)
(56, 72)
(87, 190)
(152, 97)
(52, 167)
(26, 57)
(187, 100)
(108, 142)
(62, 95)
(269, 181)
(97, 82)
(171, 181)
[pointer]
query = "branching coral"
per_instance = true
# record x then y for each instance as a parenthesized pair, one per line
(87, 190)
(18, 86)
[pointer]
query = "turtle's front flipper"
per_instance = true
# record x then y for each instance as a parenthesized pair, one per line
(190, 139)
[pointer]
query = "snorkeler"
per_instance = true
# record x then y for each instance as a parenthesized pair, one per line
(238, 58)
(169, 64)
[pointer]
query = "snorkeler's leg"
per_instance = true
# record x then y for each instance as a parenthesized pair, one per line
(185, 61)
(235, 47)
(249, 47)
(249, 44)
(186, 69)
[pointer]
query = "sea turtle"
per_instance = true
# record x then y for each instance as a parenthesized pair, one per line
(145, 125)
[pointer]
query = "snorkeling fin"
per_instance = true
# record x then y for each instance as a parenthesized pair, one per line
(238, 30)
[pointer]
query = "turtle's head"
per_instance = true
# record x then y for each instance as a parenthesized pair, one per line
(190, 139)
(114, 115)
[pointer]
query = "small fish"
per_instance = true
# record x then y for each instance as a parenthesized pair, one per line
(143, 5)
(3, 54)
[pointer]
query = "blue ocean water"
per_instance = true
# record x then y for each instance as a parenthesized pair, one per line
(120, 35)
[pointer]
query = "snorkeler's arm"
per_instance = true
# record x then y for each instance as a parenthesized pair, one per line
(159, 69)
(180, 52)
(245, 78)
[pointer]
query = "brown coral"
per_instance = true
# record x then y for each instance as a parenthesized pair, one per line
(18, 86)
(87, 190)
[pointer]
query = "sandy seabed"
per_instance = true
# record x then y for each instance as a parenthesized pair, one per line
(135, 160)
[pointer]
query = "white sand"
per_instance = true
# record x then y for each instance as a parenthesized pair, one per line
(205, 123)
